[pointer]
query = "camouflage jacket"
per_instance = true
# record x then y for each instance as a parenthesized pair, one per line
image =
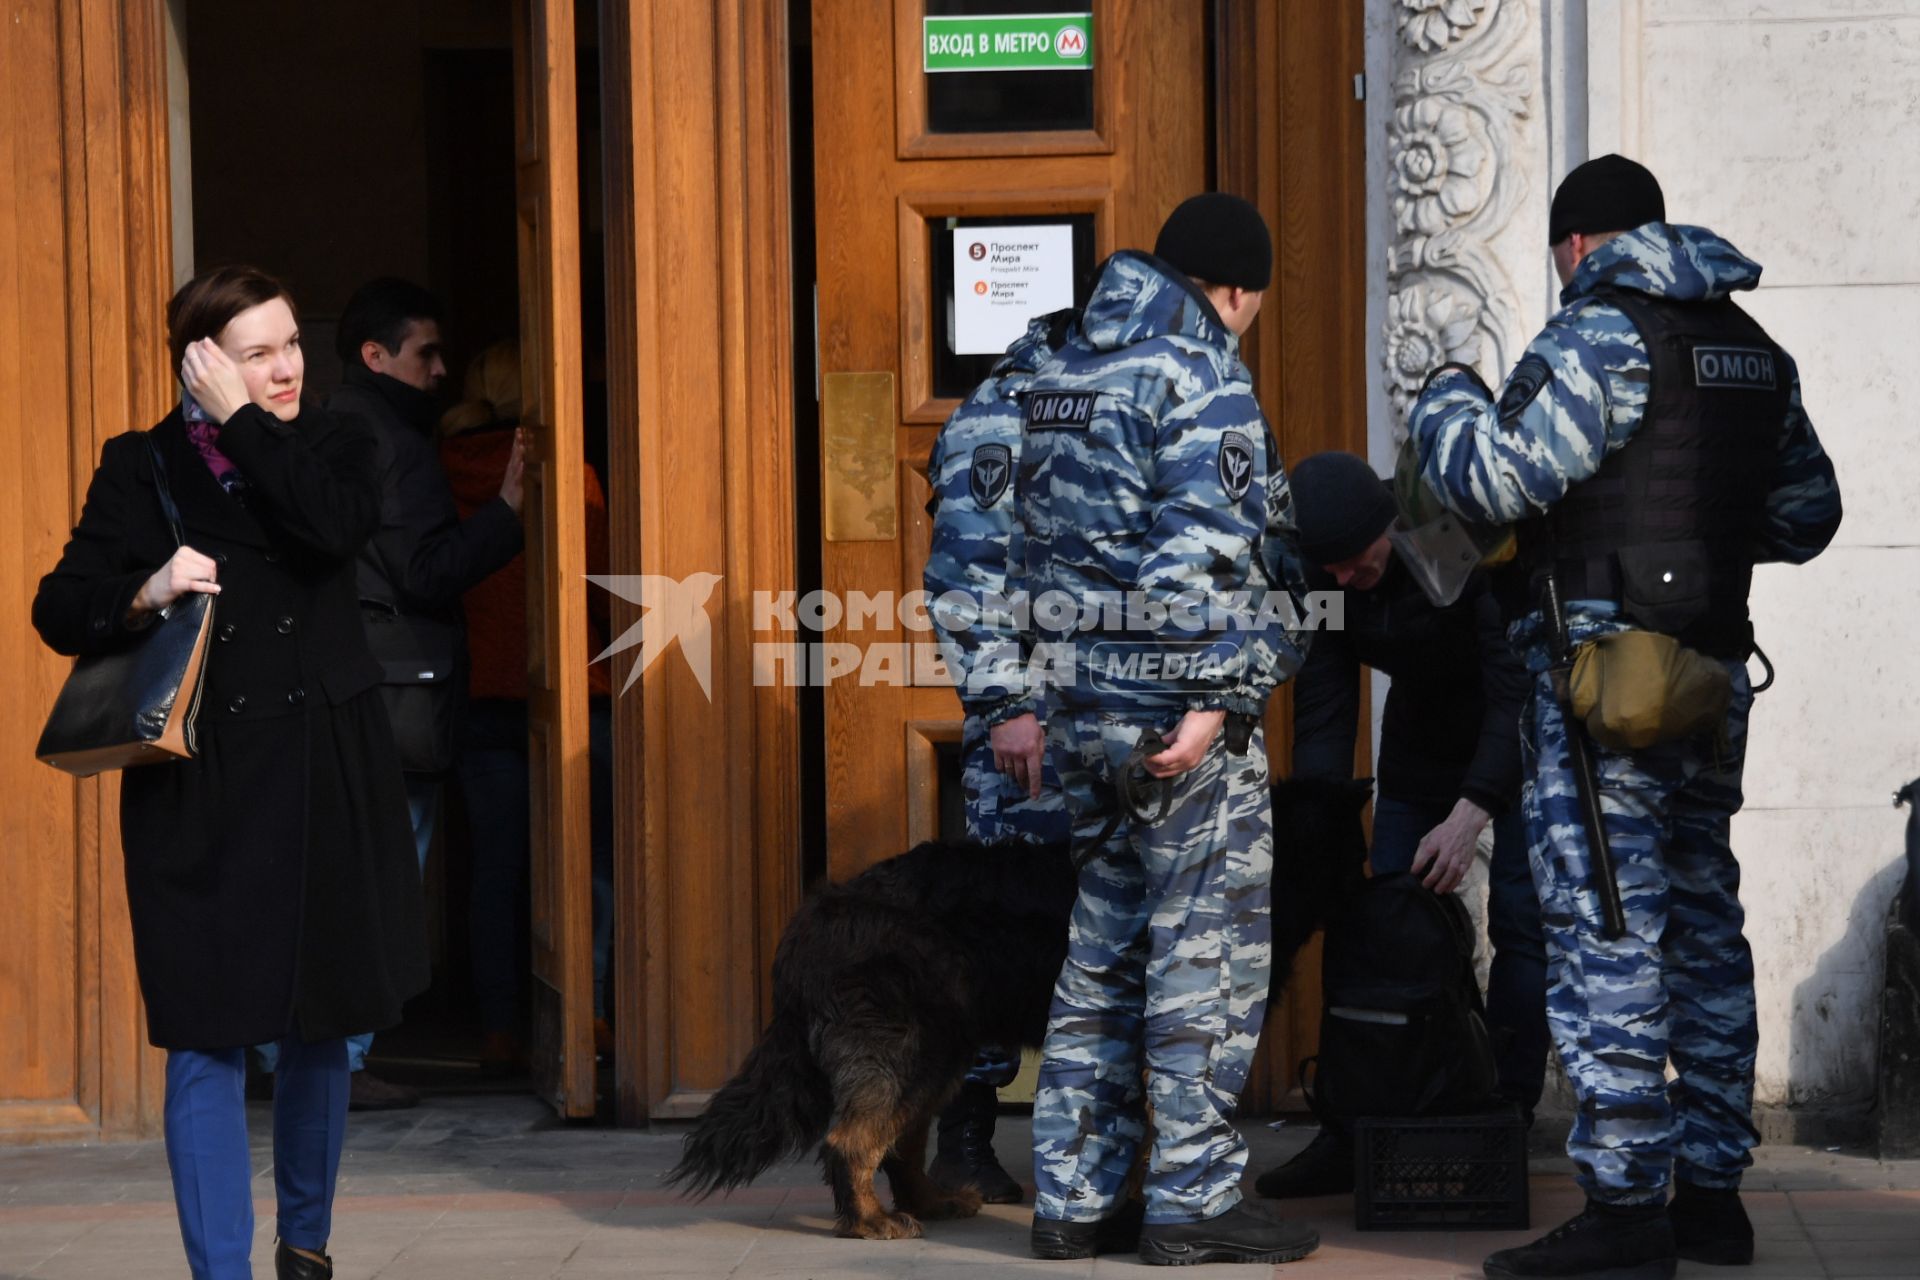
(976, 560)
(1496, 467)
(1152, 507)
(1275, 654)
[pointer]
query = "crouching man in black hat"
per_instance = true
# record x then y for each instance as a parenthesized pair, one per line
(1449, 759)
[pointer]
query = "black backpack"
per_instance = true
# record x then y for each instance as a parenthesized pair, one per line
(1403, 1030)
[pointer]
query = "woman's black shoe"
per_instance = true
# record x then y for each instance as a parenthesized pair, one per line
(1711, 1225)
(291, 1265)
(1605, 1242)
(1241, 1234)
(1118, 1232)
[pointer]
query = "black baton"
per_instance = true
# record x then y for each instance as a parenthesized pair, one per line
(1613, 917)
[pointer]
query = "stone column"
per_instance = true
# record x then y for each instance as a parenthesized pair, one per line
(1467, 186)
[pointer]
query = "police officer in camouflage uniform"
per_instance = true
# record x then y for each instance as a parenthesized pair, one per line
(974, 576)
(1146, 491)
(1652, 447)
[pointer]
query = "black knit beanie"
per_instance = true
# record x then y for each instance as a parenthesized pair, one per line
(1609, 194)
(1339, 505)
(1219, 239)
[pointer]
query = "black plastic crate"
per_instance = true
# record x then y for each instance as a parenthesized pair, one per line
(1466, 1173)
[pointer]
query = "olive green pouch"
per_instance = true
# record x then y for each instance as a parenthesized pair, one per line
(1636, 689)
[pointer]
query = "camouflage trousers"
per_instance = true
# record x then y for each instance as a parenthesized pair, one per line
(998, 810)
(1168, 958)
(1678, 985)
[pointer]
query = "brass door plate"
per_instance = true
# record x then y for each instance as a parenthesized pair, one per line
(857, 428)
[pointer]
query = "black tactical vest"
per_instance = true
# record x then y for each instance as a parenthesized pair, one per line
(1669, 525)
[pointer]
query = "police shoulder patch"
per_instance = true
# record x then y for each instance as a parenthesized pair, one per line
(1058, 410)
(1523, 387)
(1236, 464)
(987, 478)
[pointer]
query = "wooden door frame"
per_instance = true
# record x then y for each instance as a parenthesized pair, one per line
(106, 76)
(699, 308)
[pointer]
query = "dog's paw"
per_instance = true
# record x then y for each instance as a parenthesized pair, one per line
(881, 1226)
(951, 1202)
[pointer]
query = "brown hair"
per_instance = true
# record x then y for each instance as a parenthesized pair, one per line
(206, 303)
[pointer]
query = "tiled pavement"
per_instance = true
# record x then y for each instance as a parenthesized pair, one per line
(486, 1187)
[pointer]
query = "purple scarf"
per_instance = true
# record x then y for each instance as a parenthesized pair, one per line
(205, 434)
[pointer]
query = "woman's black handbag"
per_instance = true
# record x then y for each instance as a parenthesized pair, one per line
(135, 705)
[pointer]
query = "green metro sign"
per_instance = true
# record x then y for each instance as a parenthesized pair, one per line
(1010, 42)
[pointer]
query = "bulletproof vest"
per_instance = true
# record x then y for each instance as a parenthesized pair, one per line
(1668, 527)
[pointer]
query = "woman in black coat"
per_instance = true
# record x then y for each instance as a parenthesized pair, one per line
(271, 879)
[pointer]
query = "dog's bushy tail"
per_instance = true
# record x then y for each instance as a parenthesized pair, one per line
(775, 1108)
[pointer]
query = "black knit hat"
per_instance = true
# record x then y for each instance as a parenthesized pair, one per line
(1609, 194)
(1220, 239)
(1339, 505)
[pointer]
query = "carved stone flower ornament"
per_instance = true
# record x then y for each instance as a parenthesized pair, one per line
(1426, 327)
(1433, 25)
(1437, 165)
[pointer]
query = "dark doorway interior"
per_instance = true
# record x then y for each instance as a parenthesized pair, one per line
(335, 143)
(806, 430)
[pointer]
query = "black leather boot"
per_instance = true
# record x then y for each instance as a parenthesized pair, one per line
(1711, 1225)
(963, 1154)
(289, 1265)
(1241, 1234)
(1605, 1242)
(1118, 1232)
(1323, 1168)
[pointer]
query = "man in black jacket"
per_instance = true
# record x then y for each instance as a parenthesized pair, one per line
(1449, 758)
(420, 561)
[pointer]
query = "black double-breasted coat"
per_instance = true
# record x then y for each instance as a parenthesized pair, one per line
(272, 878)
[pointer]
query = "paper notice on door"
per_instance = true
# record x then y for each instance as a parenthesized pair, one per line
(1002, 278)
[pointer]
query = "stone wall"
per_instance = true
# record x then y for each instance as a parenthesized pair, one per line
(1788, 127)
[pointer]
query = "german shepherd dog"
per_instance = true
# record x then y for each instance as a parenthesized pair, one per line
(885, 987)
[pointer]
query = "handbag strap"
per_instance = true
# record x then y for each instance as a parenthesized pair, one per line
(167, 506)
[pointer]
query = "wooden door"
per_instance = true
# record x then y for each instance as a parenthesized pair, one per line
(551, 374)
(1289, 137)
(85, 270)
(1287, 133)
(701, 449)
(904, 159)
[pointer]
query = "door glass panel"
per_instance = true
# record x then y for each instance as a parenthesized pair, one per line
(1026, 283)
(1030, 99)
